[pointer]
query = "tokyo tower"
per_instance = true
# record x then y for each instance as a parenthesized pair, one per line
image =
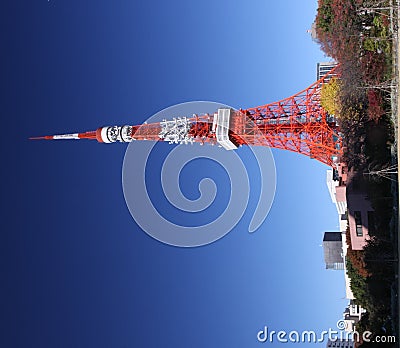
(298, 123)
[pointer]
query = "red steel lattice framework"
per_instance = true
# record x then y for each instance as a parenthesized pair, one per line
(298, 123)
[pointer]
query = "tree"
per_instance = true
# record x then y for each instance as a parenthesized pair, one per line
(375, 110)
(324, 15)
(330, 96)
(356, 257)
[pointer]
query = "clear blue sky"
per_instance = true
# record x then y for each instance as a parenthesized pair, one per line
(77, 270)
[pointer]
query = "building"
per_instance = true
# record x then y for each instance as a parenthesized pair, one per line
(333, 254)
(337, 192)
(352, 315)
(361, 215)
(313, 31)
(336, 183)
(323, 68)
(348, 192)
(340, 343)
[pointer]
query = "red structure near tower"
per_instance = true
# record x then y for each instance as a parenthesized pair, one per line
(298, 123)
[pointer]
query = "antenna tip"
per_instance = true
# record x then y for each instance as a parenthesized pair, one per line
(37, 138)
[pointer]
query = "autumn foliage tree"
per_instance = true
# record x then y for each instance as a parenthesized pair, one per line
(330, 96)
(337, 28)
(375, 110)
(356, 257)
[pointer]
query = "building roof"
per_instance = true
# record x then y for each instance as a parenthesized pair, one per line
(332, 237)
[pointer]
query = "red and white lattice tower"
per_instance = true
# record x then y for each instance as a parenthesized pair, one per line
(298, 123)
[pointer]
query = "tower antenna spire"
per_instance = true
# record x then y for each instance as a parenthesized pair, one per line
(85, 135)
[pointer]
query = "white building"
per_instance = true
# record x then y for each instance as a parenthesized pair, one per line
(337, 192)
(352, 315)
(338, 195)
(323, 68)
